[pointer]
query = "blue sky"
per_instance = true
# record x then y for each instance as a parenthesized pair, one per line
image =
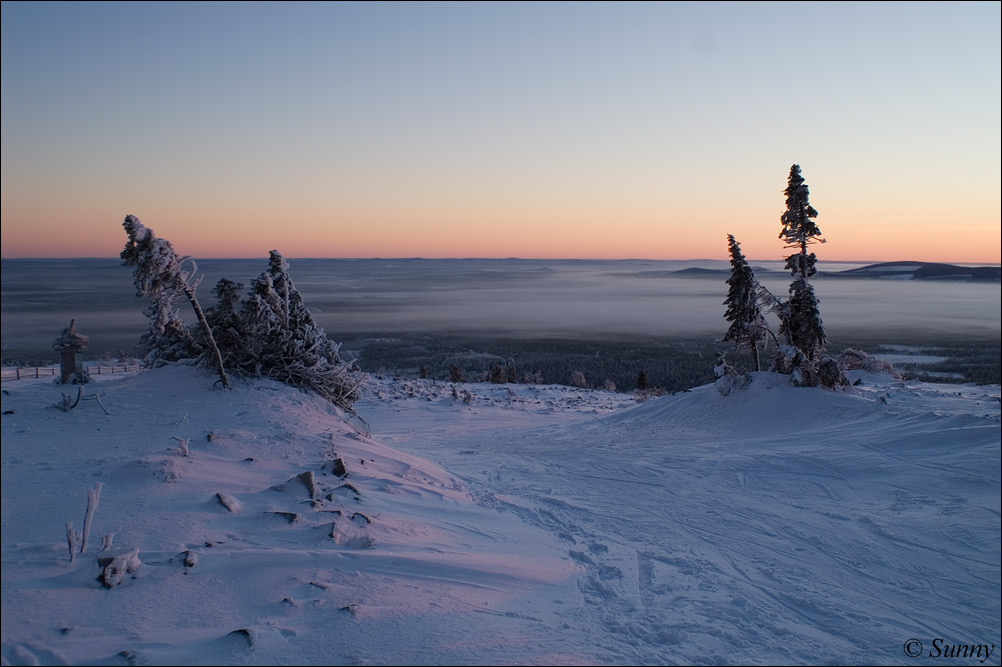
(502, 129)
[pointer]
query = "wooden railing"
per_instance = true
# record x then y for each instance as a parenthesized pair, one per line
(50, 371)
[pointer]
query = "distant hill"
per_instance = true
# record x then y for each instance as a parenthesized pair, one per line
(883, 271)
(922, 271)
(696, 272)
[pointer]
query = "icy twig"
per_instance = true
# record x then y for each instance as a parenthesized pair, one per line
(184, 442)
(93, 497)
(71, 538)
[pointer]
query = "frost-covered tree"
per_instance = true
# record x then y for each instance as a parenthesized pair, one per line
(800, 321)
(496, 374)
(800, 316)
(748, 325)
(271, 333)
(533, 377)
(260, 315)
(307, 339)
(164, 277)
(281, 340)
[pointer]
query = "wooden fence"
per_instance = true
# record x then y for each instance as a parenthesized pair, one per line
(50, 371)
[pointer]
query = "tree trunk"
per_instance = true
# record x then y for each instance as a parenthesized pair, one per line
(218, 358)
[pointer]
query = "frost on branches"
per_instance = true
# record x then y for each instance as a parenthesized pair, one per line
(273, 334)
(161, 275)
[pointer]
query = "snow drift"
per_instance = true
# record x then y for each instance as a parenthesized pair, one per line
(536, 524)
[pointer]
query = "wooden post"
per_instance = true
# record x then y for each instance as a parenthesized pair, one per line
(71, 345)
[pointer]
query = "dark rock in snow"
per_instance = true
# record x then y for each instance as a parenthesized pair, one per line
(290, 517)
(338, 469)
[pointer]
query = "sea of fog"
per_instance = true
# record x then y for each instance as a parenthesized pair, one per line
(541, 298)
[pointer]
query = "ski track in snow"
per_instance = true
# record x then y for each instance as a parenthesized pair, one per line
(538, 524)
(737, 529)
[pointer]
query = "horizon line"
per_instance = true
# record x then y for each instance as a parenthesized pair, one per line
(535, 259)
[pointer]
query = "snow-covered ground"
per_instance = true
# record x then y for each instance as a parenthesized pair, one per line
(529, 524)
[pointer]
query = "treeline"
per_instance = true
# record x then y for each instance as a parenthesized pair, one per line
(965, 362)
(672, 364)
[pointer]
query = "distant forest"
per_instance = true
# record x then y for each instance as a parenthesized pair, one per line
(672, 364)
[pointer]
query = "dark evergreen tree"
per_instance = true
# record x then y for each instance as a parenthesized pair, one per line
(800, 316)
(801, 321)
(799, 227)
(748, 325)
(642, 381)
(226, 323)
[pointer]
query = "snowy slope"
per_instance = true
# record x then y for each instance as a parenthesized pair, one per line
(775, 525)
(540, 525)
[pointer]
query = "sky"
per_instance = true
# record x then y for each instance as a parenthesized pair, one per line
(536, 130)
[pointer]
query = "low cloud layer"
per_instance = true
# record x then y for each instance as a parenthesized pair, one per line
(505, 297)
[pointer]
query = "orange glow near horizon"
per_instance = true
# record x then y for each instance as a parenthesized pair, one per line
(585, 217)
(534, 130)
(439, 234)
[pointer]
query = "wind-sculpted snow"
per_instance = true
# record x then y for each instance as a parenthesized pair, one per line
(775, 525)
(529, 524)
(255, 532)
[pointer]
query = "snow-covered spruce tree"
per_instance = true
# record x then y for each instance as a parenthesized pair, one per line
(801, 322)
(799, 315)
(160, 275)
(799, 227)
(282, 341)
(748, 325)
(261, 323)
(312, 342)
